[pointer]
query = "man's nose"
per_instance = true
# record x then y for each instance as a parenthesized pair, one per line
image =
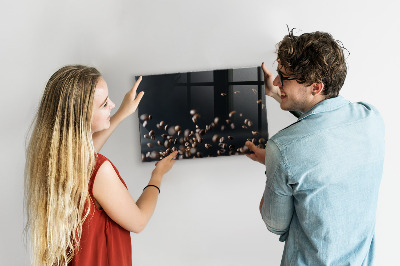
(277, 81)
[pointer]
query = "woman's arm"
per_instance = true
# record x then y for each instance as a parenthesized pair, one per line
(128, 107)
(116, 201)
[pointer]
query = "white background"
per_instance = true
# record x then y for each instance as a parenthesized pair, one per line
(208, 208)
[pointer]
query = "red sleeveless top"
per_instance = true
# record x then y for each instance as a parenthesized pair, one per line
(103, 241)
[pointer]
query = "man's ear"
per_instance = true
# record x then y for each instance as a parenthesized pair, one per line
(317, 88)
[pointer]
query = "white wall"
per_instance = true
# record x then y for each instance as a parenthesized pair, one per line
(208, 208)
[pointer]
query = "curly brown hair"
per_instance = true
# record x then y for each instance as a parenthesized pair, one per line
(314, 57)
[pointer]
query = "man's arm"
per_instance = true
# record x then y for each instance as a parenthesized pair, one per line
(128, 107)
(276, 206)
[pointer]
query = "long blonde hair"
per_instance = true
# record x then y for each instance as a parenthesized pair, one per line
(59, 161)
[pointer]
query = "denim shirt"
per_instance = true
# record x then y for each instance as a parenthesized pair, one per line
(323, 176)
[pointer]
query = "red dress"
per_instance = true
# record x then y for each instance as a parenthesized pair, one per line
(103, 241)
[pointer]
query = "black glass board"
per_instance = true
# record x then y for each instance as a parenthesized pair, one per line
(202, 114)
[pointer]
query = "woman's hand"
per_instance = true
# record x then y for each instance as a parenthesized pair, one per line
(131, 101)
(163, 166)
(270, 89)
(259, 154)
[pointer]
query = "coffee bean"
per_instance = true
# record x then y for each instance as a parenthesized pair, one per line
(222, 145)
(215, 138)
(207, 145)
(159, 143)
(222, 128)
(216, 120)
(154, 155)
(171, 131)
(244, 149)
(223, 94)
(193, 111)
(150, 145)
(222, 139)
(151, 132)
(152, 137)
(255, 133)
(232, 113)
(195, 117)
(146, 136)
(233, 126)
(230, 137)
(186, 132)
(166, 143)
(144, 117)
(144, 123)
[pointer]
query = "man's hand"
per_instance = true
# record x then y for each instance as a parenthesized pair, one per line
(259, 154)
(270, 89)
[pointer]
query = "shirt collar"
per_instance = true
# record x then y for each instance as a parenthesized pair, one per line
(325, 106)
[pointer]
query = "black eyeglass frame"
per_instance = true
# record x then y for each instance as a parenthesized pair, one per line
(282, 78)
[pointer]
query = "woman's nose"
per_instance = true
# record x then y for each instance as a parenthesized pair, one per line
(112, 105)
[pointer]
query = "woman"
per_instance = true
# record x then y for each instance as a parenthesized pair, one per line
(78, 207)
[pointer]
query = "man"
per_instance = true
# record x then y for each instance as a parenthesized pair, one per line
(323, 171)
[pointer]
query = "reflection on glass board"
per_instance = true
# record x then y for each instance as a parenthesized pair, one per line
(202, 114)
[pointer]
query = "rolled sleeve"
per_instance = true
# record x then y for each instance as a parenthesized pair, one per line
(277, 208)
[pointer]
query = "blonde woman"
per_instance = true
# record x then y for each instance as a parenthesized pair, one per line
(78, 207)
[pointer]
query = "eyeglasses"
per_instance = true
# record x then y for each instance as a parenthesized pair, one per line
(282, 78)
